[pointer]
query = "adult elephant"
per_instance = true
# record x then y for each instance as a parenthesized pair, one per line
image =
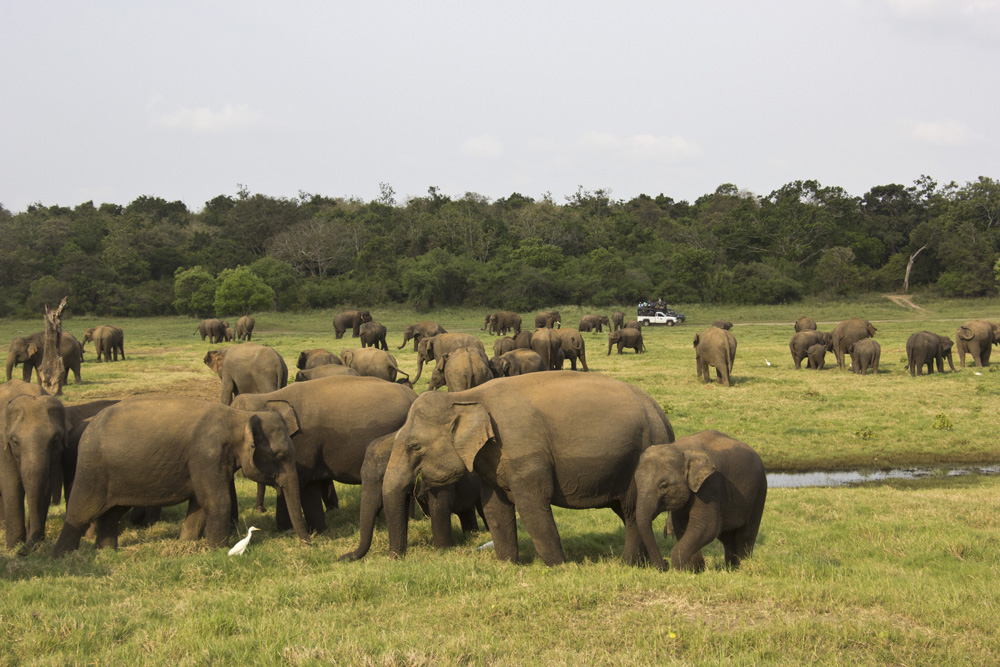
(522, 341)
(247, 369)
(332, 420)
(715, 347)
(548, 319)
(461, 498)
(465, 368)
(109, 341)
(373, 335)
(805, 324)
(350, 319)
(713, 486)
(75, 415)
(324, 371)
(244, 328)
(617, 320)
(164, 450)
(420, 330)
(626, 337)
(503, 346)
(542, 439)
(316, 357)
(503, 321)
(573, 348)
(32, 439)
(214, 329)
(865, 355)
(846, 334)
(547, 343)
(517, 362)
(926, 348)
(974, 337)
(28, 351)
(723, 324)
(801, 342)
(372, 362)
(594, 323)
(434, 347)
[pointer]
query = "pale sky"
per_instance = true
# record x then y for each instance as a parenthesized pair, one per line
(110, 100)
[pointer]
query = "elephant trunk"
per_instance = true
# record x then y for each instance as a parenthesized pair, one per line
(36, 473)
(397, 489)
(371, 505)
(647, 510)
(420, 368)
(289, 483)
(11, 360)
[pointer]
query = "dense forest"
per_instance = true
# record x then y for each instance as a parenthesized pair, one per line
(257, 252)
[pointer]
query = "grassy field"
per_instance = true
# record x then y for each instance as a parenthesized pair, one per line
(888, 573)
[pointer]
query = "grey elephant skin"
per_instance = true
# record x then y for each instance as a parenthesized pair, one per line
(214, 329)
(324, 371)
(617, 320)
(542, 439)
(373, 335)
(865, 355)
(975, 337)
(465, 368)
(420, 330)
(801, 342)
(817, 357)
(32, 439)
(244, 328)
(805, 324)
(573, 348)
(926, 348)
(723, 324)
(247, 369)
(846, 334)
(109, 341)
(434, 347)
(517, 362)
(335, 419)
(501, 322)
(547, 344)
(713, 486)
(461, 498)
(316, 357)
(372, 362)
(627, 337)
(715, 347)
(503, 346)
(28, 352)
(548, 319)
(163, 450)
(350, 319)
(594, 323)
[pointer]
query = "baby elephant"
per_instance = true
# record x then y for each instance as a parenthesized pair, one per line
(712, 485)
(817, 357)
(865, 355)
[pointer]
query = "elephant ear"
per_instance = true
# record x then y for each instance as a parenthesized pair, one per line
(442, 360)
(253, 433)
(32, 349)
(287, 412)
(347, 356)
(214, 359)
(696, 339)
(471, 429)
(699, 468)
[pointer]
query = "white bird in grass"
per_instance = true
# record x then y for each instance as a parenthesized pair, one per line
(241, 546)
(767, 362)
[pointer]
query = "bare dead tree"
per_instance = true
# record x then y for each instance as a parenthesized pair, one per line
(909, 267)
(51, 370)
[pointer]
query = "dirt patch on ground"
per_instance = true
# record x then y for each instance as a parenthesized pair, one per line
(904, 301)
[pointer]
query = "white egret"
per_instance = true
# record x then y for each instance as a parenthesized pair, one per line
(241, 546)
(767, 362)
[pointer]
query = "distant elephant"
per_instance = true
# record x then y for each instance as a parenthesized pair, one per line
(331, 421)
(350, 319)
(715, 347)
(573, 348)
(502, 322)
(547, 343)
(163, 450)
(626, 337)
(924, 348)
(723, 324)
(373, 362)
(247, 369)
(846, 334)
(244, 328)
(461, 498)
(817, 357)
(324, 371)
(548, 319)
(801, 342)
(214, 329)
(617, 320)
(517, 362)
(542, 439)
(109, 341)
(32, 439)
(433, 347)
(974, 337)
(805, 324)
(461, 369)
(416, 332)
(316, 357)
(594, 323)
(522, 341)
(632, 324)
(864, 356)
(29, 351)
(503, 345)
(373, 335)
(230, 334)
(713, 486)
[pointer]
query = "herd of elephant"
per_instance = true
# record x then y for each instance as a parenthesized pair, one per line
(504, 437)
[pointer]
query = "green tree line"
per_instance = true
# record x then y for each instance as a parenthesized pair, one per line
(255, 252)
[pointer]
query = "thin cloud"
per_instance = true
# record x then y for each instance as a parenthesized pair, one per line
(486, 147)
(640, 147)
(942, 133)
(204, 119)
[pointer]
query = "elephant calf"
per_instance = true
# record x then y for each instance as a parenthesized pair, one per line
(865, 355)
(817, 357)
(712, 485)
(465, 368)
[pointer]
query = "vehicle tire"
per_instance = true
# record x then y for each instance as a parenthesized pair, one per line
(670, 323)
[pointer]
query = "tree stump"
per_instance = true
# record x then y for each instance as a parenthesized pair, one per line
(51, 370)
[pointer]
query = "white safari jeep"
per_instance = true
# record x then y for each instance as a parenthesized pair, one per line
(657, 314)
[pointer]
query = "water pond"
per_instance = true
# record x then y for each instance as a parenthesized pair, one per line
(848, 477)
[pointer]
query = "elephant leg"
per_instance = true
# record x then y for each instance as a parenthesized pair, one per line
(635, 551)
(144, 516)
(194, 522)
(541, 526)
(14, 525)
(467, 519)
(311, 498)
(234, 507)
(440, 501)
(329, 493)
(259, 503)
(217, 518)
(500, 516)
(107, 527)
(69, 540)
